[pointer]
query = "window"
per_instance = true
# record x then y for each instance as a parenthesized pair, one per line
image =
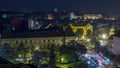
(48, 40)
(16, 42)
(25, 41)
(53, 40)
(44, 40)
(39, 41)
(30, 41)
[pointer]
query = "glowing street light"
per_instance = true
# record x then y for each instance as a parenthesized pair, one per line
(104, 36)
(88, 40)
(83, 37)
(62, 59)
(37, 48)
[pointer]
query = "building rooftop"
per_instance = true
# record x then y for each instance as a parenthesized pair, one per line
(37, 34)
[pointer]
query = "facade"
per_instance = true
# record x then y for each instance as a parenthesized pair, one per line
(84, 27)
(33, 24)
(115, 39)
(116, 45)
(92, 16)
(41, 40)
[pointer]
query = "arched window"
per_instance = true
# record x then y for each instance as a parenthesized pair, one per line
(30, 41)
(16, 42)
(25, 41)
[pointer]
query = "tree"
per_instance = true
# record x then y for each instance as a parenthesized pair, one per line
(70, 53)
(38, 57)
(107, 53)
(81, 64)
(68, 57)
(32, 48)
(79, 32)
(88, 33)
(97, 47)
(78, 48)
(67, 54)
(7, 51)
(22, 49)
(94, 40)
(72, 43)
(52, 56)
(81, 49)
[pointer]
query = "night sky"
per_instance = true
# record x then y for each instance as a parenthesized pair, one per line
(94, 6)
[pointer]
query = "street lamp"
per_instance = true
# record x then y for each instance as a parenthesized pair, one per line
(88, 40)
(104, 36)
(37, 48)
(83, 37)
(62, 60)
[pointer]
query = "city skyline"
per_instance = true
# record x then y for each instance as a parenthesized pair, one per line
(60, 33)
(83, 6)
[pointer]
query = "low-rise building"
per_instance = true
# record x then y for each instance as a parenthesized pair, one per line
(38, 39)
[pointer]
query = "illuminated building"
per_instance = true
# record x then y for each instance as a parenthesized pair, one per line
(112, 31)
(92, 16)
(109, 17)
(73, 27)
(85, 30)
(71, 15)
(38, 39)
(84, 27)
(50, 17)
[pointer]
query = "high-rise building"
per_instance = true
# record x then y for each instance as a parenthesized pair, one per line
(71, 15)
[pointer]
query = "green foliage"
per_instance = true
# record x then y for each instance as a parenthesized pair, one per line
(39, 57)
(97, 47)
(88, 33)
(22, 49)
(35, 58)
(81, 48)
(78, 65)
(72, 43)
(106, 52)
(94, 40)
(68, 57)
(69, 53)
(76, 47)
(7, 51)
(52, 56)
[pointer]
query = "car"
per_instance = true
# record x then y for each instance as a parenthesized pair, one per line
(91, 62)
